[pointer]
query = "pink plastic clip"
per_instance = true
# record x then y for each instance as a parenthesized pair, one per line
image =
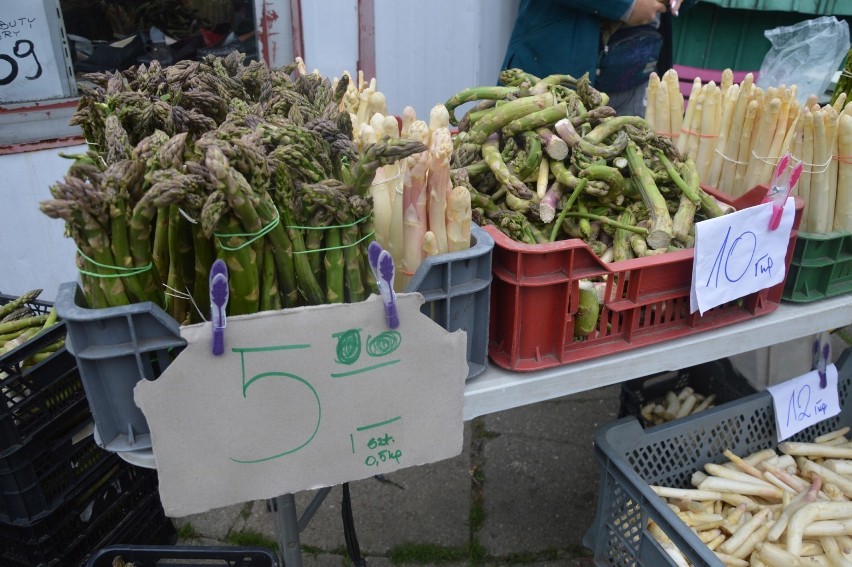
(673, 7)
(783, 182)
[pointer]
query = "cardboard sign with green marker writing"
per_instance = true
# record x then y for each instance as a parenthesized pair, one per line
(303, 398)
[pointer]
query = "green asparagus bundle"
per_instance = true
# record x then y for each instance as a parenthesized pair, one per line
(546, 159)
(220, 159)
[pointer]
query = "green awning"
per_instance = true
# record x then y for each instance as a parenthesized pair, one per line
(815, 7)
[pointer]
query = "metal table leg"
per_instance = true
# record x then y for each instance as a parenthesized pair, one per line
(289, 525)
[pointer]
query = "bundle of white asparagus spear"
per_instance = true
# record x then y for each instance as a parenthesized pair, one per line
(789, 508)
(417, 212)
(736, 133)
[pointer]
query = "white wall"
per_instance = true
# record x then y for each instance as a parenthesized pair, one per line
(331, 43)
(428, 51)
(33, 249)
(425, 51)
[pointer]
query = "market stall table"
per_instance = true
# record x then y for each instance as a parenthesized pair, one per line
(498, 389)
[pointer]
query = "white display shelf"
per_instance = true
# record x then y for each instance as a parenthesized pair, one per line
(498, 389)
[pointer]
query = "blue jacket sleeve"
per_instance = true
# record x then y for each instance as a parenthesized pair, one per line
(609, 9)
(559, 36)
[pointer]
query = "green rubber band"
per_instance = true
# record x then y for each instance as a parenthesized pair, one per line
(350, 225)
(252, 236)
(356, 243)
(127, 272)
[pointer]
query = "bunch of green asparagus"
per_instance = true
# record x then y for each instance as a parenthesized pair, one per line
(220, 159)
(19, 323)
(546, 159)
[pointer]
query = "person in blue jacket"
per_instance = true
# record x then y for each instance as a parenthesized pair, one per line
(618, 42)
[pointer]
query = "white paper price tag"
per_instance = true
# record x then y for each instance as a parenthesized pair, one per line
(801, 402)
(737, 254)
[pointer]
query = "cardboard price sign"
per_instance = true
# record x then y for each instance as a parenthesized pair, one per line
(303, 398)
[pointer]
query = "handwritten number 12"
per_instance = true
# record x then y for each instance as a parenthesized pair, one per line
(796, 408)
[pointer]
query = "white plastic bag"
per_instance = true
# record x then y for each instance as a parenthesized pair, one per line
(806, 54)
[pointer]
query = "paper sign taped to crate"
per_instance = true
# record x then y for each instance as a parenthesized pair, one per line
(303, 398)
(737, 254)
(802, 402)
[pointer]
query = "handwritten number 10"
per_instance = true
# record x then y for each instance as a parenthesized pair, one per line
(28, 50)
(720, 265)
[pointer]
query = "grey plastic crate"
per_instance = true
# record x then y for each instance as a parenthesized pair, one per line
(115, 348)
(457, 290)
(631, 459)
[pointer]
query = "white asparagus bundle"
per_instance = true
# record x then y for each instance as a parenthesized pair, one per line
(736, 133)
(362, 100)
(436, 217)
(794, 523)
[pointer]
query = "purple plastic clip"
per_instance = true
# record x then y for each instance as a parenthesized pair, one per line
(821, 355)
(783, 182)
(381, 263)
(218, 303)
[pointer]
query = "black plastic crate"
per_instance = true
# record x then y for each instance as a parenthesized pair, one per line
(185, 556)
(115, 492)
(34, 395)
(36, 478)
(40, 404)
(716, 377)
(145, 526)
(631, 459)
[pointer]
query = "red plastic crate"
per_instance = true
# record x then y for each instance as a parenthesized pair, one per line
(535, 294)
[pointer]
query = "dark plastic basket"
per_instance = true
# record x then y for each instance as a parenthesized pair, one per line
(146, 526)
(631, 459)
(821, 267)
(716, 377)
(457, 290)
(185, 556)
(43, 454)
(115, 493)
(116, 347)
(36, 478)
(33, 397)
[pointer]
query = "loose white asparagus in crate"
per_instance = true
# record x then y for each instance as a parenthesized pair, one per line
(804, 518)
(676, 404)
